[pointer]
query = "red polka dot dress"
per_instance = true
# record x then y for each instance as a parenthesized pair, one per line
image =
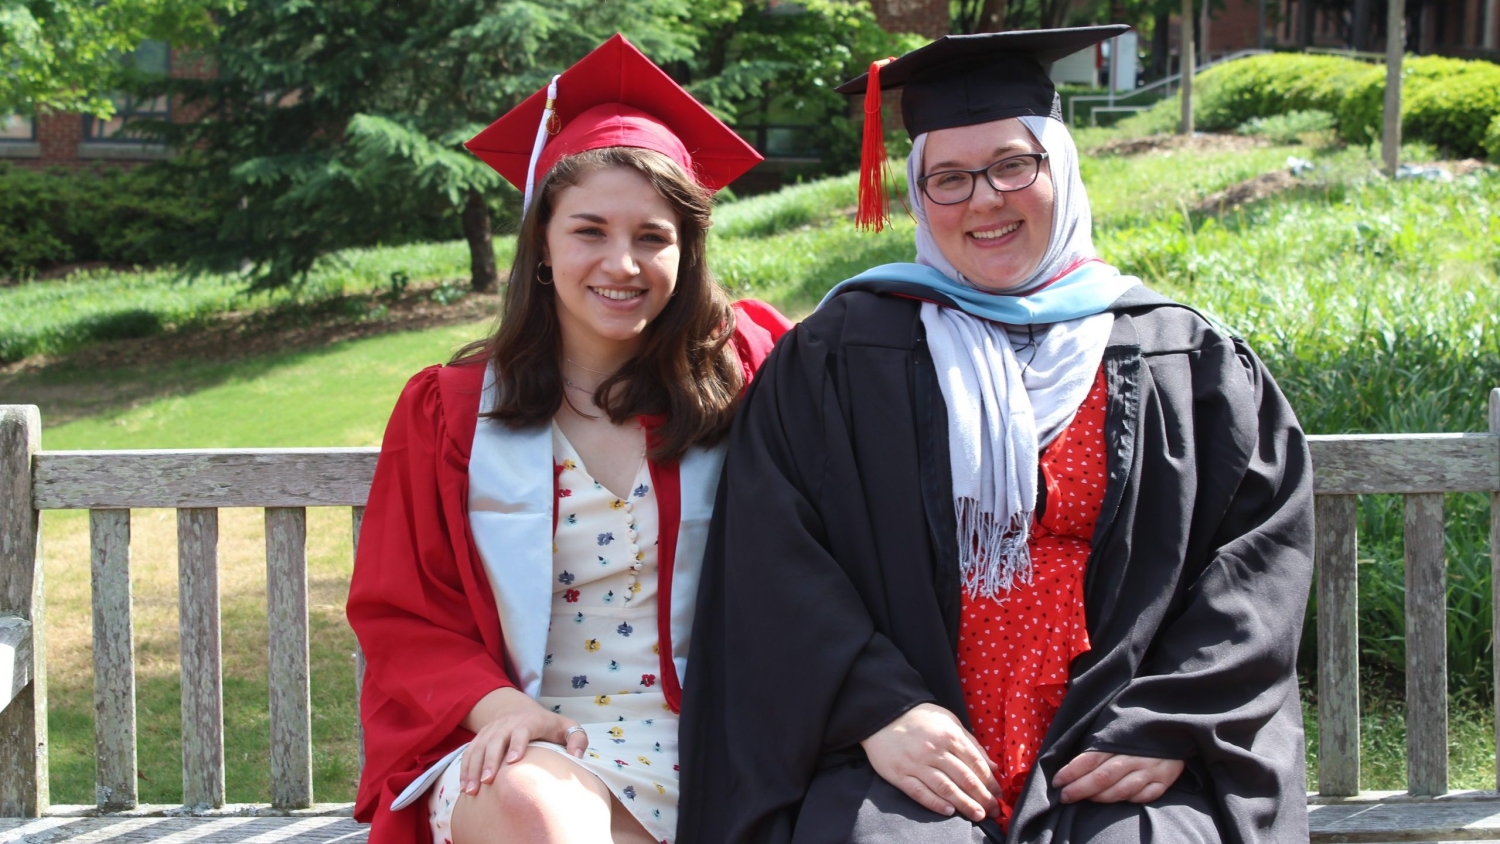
(1014, 653)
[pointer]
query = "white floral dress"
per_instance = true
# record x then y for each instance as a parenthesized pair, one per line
(603, 659)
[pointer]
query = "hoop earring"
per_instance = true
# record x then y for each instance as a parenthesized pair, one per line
(541, 279)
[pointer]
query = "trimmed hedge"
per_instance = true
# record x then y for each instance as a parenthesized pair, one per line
(57, 217)
(1450, 103)
(1264, 86)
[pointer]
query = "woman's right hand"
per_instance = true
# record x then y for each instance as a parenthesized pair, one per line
(504, 722)
(929, 755)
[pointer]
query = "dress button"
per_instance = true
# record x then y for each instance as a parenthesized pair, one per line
(632, 549)
(629, 508)
(631, 534)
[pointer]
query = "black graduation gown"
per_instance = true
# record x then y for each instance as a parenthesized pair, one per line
(830, 596)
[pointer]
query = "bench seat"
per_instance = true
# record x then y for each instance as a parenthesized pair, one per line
(1373, 818)
(166, 825)
(1377, 817)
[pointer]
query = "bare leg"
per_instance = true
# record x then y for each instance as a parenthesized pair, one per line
(623, 826)
(543, 798)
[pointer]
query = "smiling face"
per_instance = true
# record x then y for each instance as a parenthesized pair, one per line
(613, 244)
(995, 239)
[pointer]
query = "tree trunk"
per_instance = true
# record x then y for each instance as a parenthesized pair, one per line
(1395, 43)
(482, 275)
(1188, 65)
(1361, 32)
(1202, 52)
(1055, 14)
(991, 16)
(1161, 46)
(1305, 18)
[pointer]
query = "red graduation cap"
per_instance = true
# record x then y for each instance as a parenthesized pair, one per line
(614, 96)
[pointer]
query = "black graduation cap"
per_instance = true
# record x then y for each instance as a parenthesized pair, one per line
(961, 80)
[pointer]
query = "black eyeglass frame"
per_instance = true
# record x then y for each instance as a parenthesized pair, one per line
(1036, 157)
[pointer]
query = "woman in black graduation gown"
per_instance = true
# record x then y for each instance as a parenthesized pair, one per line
(1009, 547)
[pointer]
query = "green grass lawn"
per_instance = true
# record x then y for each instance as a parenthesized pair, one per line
(1376, 304)
(337, 396)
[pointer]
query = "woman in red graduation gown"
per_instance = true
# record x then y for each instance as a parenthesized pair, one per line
(527, 568)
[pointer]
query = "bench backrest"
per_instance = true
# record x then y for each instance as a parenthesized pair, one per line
(285, 482)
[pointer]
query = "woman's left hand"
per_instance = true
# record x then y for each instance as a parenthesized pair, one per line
(1114, 777)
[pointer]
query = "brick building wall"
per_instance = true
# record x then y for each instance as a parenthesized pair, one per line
(58, 138)
(924, 17)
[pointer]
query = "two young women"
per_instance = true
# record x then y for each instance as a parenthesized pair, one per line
(1010, 548)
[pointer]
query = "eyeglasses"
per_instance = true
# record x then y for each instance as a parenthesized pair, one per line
(950, 187)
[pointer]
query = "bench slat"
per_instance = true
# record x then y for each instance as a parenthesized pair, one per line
(202, 657)
(1494, 415)
(1426, 647)
(1338, 644)
(291, 702)
(251, 477)
(358, 519)
(1345, 465)
(1405, 463)
(23, 720)
(114, 660)
(1422, 820)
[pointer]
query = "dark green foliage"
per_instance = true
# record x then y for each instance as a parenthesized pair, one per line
(59, 217)
(63, 55)
(760, 64)
(340, 125)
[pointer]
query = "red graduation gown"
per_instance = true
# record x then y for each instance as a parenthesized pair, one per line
(420, 601)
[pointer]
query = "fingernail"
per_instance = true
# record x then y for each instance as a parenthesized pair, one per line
(487, 775)
(512, 756)
(948, 810)
(578, 753)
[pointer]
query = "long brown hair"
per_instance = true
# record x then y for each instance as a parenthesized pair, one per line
(685, 369)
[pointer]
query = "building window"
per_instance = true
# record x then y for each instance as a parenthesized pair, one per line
(153, 58)
(15, 128)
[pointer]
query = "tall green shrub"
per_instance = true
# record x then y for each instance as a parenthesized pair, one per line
(1450, 103)
(1263, 86)
(145, 216)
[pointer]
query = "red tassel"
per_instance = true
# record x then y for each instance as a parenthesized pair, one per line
(874, 205)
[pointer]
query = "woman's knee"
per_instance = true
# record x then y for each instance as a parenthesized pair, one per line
(540, 794)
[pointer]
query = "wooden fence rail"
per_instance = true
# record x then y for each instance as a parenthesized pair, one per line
(1420, 467)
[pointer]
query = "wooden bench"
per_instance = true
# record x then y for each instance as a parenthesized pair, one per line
(285, 482)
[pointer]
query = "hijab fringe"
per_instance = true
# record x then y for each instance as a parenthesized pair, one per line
(992, 556)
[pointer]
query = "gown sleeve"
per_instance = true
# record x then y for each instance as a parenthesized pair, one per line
(418, 602)
(757, 327)
(794, 666)
(1223, 668)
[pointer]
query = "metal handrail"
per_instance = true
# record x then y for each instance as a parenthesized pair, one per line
(1375, 58)
(1167, 81)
